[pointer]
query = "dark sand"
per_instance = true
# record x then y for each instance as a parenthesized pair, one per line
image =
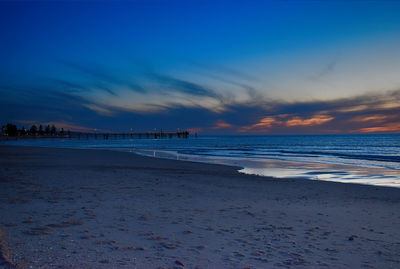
(65, 208)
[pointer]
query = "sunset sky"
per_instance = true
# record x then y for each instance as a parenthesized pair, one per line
(215, 67)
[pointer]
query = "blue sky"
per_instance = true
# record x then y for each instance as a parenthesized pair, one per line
(211, 66)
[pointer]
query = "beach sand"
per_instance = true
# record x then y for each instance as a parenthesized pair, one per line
(70, 208)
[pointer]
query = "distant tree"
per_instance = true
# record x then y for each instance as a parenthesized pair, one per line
(33, 130)
(11, 129)
(53, 130)
(47, 130)
(41, 130)
(62, 131)
(23, 131)
(69, 133)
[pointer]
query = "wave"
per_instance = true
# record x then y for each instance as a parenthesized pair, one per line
(369, 157)
(255, 153)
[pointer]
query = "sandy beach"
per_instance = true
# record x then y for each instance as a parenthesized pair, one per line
(70, 208)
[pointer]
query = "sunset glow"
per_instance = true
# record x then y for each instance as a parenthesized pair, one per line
(256, 67)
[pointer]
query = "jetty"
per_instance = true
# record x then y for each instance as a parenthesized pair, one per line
(130, 135)
(11, 131)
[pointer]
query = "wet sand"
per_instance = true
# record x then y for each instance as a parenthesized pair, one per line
(70, 208)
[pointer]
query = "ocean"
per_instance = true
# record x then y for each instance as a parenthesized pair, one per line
(358, 158)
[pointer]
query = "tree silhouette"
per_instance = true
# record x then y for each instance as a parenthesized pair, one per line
(53, 130)
(23, 131)
(62, 131)
(40, 129)
(33, 130)
(47, 130)
(11, 129)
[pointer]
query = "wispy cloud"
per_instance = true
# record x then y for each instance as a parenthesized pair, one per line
(220, 124)
(267, 123)
(386, 128)
(104, 76)
(356, 114)
(262, 125)
(224, 72)
(101, 110)
(372, 118)
(327, 69)
(174, 84)
(74, 87)
(166, 100)
(314, 120)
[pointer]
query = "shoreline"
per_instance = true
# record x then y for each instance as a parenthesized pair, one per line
(280, 169)
(104, 208)
(373, 174)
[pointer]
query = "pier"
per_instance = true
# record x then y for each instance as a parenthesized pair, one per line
(10, 131)
(130, 135)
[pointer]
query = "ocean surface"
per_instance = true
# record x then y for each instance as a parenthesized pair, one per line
(367, 158)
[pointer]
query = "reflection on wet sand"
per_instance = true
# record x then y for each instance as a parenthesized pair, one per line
(291, 169)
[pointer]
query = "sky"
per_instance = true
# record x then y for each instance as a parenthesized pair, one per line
(212, 67)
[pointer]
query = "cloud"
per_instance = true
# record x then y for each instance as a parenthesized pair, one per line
(92, 71)
(223, 72)
(353, 108)
(41, 96)
(44, 104)
(346, 115)
(78, 88)
(151, 92)
(376, 101)
(170, 102)
(184, 86)
(314, 120)
(266, 123)
(100, 110)
(220, 124)
(386, 128)
(372, 118)
(328, 68)
(261, 126)
(99, 74)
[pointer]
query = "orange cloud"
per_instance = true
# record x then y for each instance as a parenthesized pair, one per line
(220, 124)
(315, 120)
(389, 127)
(375, 118)
(262, 125)
(279, 120)
(265, 122)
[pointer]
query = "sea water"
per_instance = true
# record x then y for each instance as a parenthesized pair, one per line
(358, 158)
